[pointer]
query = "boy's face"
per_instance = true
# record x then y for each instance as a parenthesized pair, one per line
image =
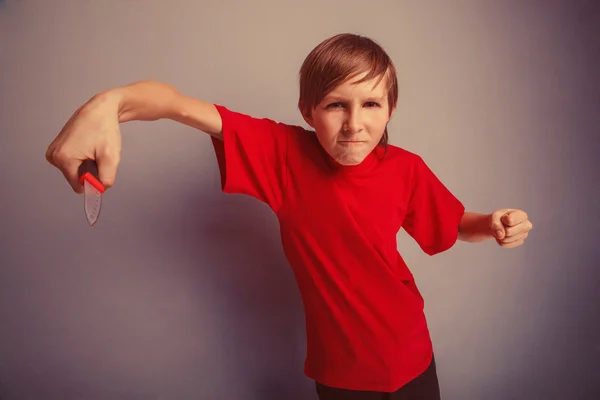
(351, 119)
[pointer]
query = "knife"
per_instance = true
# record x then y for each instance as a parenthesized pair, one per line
(92, 190)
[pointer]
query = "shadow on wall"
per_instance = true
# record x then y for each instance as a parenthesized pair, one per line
(255, 290)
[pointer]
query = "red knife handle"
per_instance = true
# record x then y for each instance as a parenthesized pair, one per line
(88, 171)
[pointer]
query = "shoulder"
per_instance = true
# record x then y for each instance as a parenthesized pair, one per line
(236, 118)
(402, 158)
(242, 118)
(407, 166)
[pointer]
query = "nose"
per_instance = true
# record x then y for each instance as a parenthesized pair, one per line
(353, 123)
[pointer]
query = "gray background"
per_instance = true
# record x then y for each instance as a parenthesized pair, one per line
(182, 292)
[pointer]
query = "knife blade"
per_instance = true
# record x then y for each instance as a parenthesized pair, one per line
(92, 190)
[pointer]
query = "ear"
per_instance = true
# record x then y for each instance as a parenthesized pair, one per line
(392, 113)
(306, 114)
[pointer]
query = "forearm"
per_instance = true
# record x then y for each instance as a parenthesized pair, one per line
(152, 100)
(474, 227)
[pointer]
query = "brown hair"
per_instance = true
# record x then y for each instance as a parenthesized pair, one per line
(343, 57)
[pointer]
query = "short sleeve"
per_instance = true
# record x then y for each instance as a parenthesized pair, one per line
(252, 156)
(433, 213)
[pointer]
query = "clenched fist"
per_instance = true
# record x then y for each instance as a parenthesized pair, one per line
(510, 227)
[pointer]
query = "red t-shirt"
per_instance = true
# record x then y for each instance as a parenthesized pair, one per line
(365, 322)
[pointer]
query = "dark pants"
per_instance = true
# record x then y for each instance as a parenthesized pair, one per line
(423, 387)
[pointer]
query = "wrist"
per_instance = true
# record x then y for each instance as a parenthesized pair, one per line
(487, 228)
(115, 99)
(100, 104)
(475, 227)
(110, 100)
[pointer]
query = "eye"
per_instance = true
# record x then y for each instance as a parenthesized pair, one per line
(335, 105)
(371, 104)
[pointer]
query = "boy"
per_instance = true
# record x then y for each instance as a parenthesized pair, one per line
(340, 192)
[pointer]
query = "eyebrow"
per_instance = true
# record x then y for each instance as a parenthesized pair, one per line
(333, 98)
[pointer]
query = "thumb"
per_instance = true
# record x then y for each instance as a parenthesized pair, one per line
(107, 168)
(496, 223)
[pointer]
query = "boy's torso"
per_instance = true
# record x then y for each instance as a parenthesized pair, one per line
(364, 313)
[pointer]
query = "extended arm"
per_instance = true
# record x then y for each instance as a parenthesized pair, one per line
(509, 227)
(93, 131)
(151, 100)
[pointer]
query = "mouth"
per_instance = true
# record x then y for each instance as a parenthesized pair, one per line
(350, 142)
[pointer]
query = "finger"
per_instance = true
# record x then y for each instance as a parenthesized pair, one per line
(49, 154)
(52, 153)
(513, 217)
(510, 245)
(516, 238)
(496, 224)
(525, 226)
(70, 172)
(67, 165)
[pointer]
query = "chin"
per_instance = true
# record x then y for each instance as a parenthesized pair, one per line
(349, 159)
